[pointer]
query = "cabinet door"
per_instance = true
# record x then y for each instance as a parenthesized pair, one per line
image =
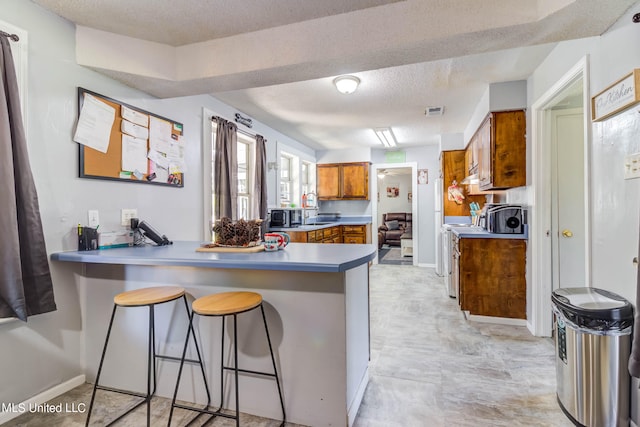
(354, 238)
(508, 147)
(468, 161)
(355, 181)
(484, 153)
(492, 277)
(328, 181)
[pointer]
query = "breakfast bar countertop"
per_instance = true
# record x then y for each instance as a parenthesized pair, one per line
(295, 257)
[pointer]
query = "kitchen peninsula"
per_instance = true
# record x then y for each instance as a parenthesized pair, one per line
(316, 302)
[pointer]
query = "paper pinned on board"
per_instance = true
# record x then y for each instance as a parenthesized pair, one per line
(136, 117)
(94, 125)
(158, 158)
(134, 130)
(159, 134)
(134, 154)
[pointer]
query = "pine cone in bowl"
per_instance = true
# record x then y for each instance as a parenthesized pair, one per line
(240, 233)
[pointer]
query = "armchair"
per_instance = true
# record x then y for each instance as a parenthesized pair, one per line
(392, 236)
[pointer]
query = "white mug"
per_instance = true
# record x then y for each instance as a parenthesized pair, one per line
(270, 244)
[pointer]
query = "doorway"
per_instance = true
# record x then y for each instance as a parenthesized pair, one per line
(394, 192)
(560, 238)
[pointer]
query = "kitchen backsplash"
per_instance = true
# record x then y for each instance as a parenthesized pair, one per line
(345, 207)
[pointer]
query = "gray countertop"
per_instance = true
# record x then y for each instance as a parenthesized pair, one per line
(481, 233)
(326, 224)
(312, 257)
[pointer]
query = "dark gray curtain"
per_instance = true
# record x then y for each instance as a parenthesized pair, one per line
(25, 281)
(225, 165)
(260, 189)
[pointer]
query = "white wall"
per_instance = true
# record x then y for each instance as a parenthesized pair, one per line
(615, 203)
(393, 204)
(427, 157)
(48, 350)
(502, 96)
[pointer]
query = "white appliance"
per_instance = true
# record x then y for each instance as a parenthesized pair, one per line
(438, 219)
(447, 255)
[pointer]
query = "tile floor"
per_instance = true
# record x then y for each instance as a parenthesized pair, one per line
(429, 367)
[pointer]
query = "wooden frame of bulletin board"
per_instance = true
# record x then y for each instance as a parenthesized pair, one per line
(97, 165)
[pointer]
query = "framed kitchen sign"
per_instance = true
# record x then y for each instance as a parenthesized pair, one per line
(620, 95)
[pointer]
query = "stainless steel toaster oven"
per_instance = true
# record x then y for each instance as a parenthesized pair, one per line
(506, 219)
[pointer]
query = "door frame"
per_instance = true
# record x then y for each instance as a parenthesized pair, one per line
(415, 223)
(540, 323)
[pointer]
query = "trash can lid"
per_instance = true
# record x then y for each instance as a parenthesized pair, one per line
(594, 303)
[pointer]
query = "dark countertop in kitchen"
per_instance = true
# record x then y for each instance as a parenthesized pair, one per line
(481, 233)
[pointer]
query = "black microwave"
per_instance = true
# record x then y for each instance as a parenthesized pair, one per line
(285, 218)
(279, 218)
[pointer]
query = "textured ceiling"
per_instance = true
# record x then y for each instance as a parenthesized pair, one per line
(275, 60)
(182, 22)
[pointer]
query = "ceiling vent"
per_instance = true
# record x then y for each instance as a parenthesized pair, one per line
(434, 111)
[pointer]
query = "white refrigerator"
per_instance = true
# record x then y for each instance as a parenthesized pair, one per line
(438, 220)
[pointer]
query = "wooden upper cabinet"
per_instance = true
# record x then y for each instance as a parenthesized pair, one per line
(343, 181)
(453, 167)
(328, 181)
(502, 151)
(483, 140)
(471, 156)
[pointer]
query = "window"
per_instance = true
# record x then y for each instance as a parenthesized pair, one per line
(244, 184)
(286, 180)
(305, 178)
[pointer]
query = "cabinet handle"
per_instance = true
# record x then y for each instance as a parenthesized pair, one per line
(567, 233)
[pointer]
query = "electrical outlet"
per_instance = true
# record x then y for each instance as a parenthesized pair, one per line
(126, 215)
(632, 166)
(94, 218)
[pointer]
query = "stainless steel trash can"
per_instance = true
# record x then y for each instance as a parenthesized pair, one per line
(592, 330)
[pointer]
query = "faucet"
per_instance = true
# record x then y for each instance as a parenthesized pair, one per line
(306, 213)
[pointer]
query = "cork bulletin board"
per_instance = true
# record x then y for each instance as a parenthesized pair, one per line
(111, 165)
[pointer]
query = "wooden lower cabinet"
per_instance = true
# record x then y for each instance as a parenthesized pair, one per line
(356, 234)
(337, 234)
(492, 277)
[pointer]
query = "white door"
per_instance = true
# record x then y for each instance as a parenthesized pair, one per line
(567, 199)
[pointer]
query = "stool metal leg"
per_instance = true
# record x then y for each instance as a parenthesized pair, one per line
(104, 351)
(273, 361)
(190, 331)
(184, 353)
(150, 355)
(235, 366)
(200, 362)
(236, 372)
(222, 365)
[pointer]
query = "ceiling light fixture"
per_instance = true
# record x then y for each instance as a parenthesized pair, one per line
(386, 137)
(346, 84)
(381, 174)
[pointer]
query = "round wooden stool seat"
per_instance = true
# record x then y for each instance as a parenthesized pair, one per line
(148, 296)
(226, 303)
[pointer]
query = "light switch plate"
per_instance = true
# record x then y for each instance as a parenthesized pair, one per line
(632, 166)
(126, 215)
(94, 218)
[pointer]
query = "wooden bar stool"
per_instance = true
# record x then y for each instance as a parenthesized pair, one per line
(223, 305)
(149, 297)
